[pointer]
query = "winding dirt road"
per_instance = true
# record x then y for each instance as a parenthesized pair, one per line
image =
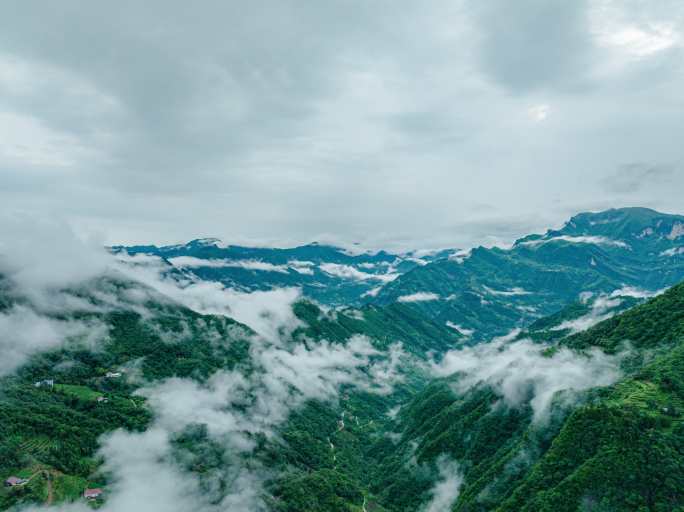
(48, 480)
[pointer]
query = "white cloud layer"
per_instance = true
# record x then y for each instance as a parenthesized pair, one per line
(673, 252)
(506, 293)
(460, 329)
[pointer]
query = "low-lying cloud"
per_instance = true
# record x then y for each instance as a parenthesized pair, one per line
(25, 332)
(506, 293)
(234, 405)
(460, 329)
(267, 312)
(40, 256)
(349, 272)
(418, 297)
(596, 240)
(601, 309)
(522, 371)
(446, 489)
(263, 266)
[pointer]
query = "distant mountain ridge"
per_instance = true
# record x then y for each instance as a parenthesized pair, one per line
(490, 290)
(330, 275)
(478, 294)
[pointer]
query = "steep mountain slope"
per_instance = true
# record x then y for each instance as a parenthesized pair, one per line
(395, 323)
(490, 291)
(618, 447)
(327, 274)
(344, 409)
(55, 408)
(578, 316)
(330, 381)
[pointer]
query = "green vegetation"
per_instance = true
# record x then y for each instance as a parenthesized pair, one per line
(621, 449)
(81, 392)
(658, 322)
(325, 455)
(618, 448)
(52, 432)
(383, 325)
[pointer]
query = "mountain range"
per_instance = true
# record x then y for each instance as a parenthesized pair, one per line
(331, 275)
(480, 293)
(545, 376)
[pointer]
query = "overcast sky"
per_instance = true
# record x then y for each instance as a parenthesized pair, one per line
(391, 123)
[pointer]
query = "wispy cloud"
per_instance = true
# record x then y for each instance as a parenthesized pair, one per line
(192, 262)
(506, 293)
(447, 487)
(600, 310)
(520, 371)
(597, 240)
(25, 332)
(418, 297)
(349, 272)
(460, 329)
(674, 251)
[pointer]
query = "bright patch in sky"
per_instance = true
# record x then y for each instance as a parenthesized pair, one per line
(538, 112)
(645, 41)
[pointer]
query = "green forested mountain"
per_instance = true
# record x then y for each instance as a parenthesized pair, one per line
(388, 406)
(55, 408)
(620, 447)
(395, 323)
(611, 448)
(490, 290)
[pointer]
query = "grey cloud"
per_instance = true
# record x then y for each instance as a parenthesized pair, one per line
(634, 177)
(534, 43)
(164, 121)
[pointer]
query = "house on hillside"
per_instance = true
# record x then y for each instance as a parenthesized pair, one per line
(102, 399)
(113, 375)
(92, 494)
(46, 383)
(14, 481)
